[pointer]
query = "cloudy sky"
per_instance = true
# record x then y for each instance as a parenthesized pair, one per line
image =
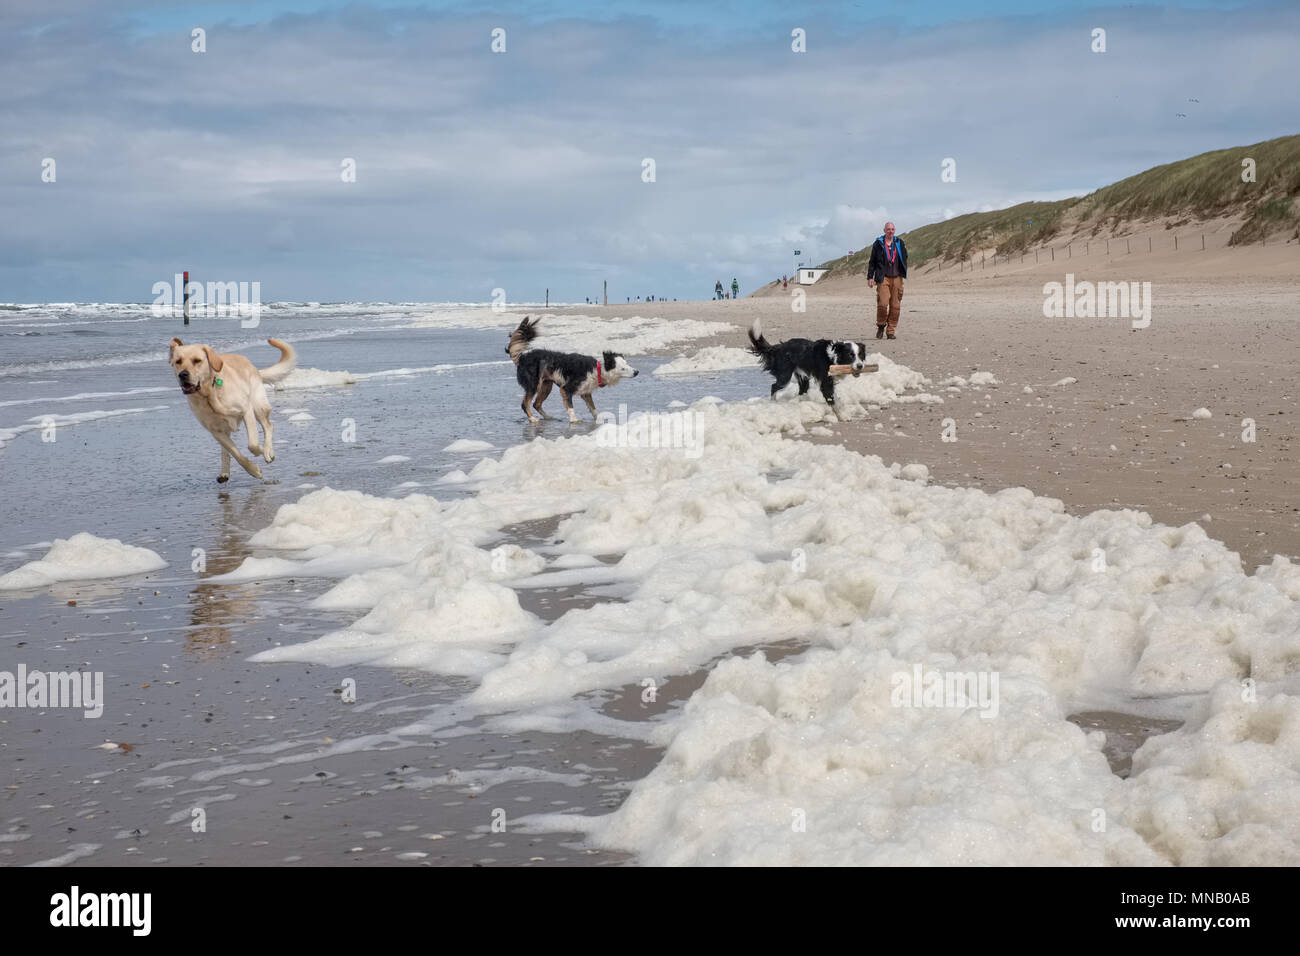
(524, 169)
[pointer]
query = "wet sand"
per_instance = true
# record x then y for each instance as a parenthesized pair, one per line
(285, 771)
(253, 745)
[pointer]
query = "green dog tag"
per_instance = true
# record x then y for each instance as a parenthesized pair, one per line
(218, 383)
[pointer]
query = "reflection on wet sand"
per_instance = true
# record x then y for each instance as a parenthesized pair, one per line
(216, 608)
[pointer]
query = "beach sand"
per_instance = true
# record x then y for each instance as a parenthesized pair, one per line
(203, 723)
(1224, 335)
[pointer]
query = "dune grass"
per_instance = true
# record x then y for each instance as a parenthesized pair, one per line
(1201, 187)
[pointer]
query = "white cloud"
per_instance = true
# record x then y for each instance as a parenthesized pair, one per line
(528, 164)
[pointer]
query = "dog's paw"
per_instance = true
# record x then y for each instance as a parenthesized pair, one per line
(255, 471)
(270, 456)
(222, 479)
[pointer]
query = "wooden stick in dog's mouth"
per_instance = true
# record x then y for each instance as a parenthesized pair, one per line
(849, 370)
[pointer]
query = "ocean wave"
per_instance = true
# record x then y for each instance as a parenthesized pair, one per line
(7, 435)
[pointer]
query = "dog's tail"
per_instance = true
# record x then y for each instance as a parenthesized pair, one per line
(759, 345)
(288, 360)
(522, 337)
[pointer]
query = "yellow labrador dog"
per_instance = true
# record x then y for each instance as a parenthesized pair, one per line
(225, 389)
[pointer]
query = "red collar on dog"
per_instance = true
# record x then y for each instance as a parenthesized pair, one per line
(600, 382)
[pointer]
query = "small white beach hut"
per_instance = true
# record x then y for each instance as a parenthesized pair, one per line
(808, 275)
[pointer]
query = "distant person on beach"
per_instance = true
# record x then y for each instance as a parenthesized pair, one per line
(717, 289)
(735, 288)
(886, 272)
(785, 282)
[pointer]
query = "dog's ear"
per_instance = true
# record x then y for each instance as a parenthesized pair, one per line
(171, 350)
(213, 359)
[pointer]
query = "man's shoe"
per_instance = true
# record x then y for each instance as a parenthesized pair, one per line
(880, 331)
(891, 335)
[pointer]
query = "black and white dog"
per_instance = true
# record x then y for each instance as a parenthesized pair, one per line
(539, 369)
(805, 359)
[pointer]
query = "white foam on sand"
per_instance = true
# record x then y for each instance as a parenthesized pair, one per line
(82, 557)
(872, 572)
(76, 852)
(715, 358)
(591, 335)
(322, 378)
(87, 396)
(468, 445)
(77, 418)
(314, 378)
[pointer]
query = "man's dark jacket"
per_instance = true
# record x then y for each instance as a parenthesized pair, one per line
(876, 267)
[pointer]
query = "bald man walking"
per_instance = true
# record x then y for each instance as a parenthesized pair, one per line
(886, 271)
